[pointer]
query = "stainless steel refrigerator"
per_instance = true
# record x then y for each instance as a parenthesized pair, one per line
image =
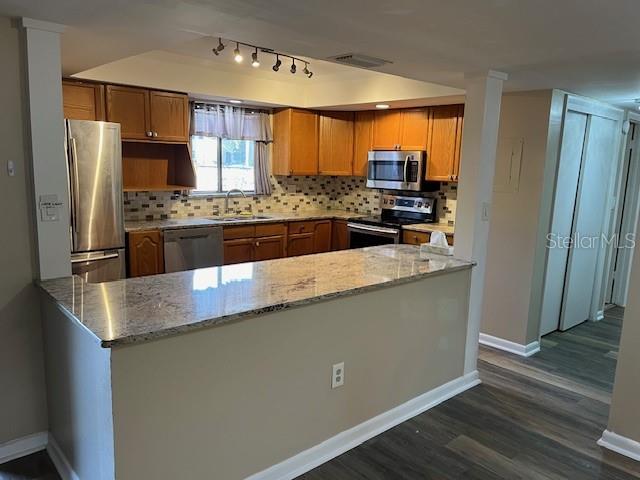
(94, 160)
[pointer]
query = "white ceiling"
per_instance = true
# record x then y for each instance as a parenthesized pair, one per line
(585, 46)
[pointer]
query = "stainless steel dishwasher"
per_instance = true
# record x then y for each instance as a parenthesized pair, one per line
(189, 248)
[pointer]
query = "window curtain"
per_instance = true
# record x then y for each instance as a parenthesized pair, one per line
(237, 123)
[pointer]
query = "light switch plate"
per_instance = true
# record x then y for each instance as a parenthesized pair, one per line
(49, 208)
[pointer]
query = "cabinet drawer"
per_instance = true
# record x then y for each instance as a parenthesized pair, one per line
(415, 238)
(241, 231)
(301, 227)
(270, 229)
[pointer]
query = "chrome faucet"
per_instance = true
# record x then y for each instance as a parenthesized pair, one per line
(226, 198)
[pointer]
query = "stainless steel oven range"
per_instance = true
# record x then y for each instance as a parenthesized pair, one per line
(387, 227)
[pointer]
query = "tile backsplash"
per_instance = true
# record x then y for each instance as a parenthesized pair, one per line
(289, 194)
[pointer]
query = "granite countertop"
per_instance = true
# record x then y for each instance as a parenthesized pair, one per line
(430, 227)
(271, 217)
(144, 308)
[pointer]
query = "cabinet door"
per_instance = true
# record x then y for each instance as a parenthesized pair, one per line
(303, 142)
(169, 113)
(443, 153)
(386, 129)
(415, 129)
(456, 161)
(339, 235)
(82, 101)
(322, 236)
(362, 142)
(130, 108)
(335, 152)
(267, 248)
(238, 250)
(146, 253)
(415, 238)
(300, 244)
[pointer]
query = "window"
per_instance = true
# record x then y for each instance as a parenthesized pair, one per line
(223, 164)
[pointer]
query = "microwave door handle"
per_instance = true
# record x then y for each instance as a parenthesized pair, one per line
(404, 170)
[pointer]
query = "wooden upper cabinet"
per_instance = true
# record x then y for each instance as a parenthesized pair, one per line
(83, 100)
(295, 142)
(386, 129)
(335, 151)
(129, 107)
(362, 142)
(146, 253)
(405, 129)
(443, 152)
(149, 114)
(169, 116)
(414, 129)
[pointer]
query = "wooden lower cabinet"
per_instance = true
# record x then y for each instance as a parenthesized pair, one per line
(418, 238)
(300, 244)
(251, 243)
(339, 235)
(268, 248)
(322, 236)
(146, 253)
(238, 250)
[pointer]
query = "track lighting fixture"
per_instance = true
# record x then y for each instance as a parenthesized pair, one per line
(306, 70)
(255, 62)
(237, 56)
(276, 66)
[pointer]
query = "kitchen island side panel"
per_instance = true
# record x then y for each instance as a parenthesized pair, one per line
(78, 379)
(229, 401)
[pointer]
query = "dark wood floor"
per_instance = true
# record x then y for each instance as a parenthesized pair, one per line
(531, 418)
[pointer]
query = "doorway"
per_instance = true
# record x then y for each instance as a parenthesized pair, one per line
(574, 287)
(626, 218)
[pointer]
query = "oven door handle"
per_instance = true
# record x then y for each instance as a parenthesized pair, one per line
(368, 228)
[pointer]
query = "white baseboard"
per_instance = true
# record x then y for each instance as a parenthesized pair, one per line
(21, 447)
(619, 444)
(509, 346)
(344, 441)
(60, 460)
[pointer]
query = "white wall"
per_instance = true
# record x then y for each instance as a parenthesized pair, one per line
(514, 220)
(22, 396)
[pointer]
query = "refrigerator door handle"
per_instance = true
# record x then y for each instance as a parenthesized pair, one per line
(106, 256)
(74, 187)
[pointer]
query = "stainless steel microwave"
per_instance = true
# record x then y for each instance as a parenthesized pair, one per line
(396, 169)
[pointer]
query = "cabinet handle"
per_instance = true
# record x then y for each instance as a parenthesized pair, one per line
(149, 134)
(257, 244)
(155, 134)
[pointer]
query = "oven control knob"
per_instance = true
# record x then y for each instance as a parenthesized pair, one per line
(419, 204)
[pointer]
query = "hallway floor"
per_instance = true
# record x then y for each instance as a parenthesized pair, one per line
(531, 418)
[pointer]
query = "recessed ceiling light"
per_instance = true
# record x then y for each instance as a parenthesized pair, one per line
(382, 106)
(235, 101)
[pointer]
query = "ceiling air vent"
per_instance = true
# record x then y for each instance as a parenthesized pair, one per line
(359, 60)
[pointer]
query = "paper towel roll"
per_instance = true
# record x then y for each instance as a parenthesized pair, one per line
(438, 238)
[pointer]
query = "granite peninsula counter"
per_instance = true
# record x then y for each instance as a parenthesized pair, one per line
(215, 373)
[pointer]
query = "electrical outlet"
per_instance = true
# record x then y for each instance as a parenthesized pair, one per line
(337, 377)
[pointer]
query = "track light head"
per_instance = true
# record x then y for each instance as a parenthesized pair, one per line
(255, 63)
(237, 56)
(215, 51)
(293, 66)
(305, 70)
(220, 46)
(276, 66)
(310, 74)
